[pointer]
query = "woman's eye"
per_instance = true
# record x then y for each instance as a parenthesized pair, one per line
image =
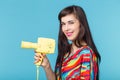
(71, 22)
(62, 24)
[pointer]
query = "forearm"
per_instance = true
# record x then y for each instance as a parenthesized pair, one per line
(49, 73)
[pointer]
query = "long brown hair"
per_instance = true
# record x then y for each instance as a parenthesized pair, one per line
(84, 34)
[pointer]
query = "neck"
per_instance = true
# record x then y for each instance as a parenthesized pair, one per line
(74, 48)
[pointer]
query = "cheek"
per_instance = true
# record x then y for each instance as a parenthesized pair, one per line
(62, 29)
(77, 31)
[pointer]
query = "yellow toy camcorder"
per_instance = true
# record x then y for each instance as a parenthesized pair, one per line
(44, 45)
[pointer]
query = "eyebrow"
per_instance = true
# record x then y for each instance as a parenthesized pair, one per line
(69, 21)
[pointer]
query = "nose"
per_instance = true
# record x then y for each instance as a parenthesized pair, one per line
(66, 27)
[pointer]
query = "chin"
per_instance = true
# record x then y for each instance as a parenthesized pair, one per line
(71, 39)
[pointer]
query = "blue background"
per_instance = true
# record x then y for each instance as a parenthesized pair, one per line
(30, 19)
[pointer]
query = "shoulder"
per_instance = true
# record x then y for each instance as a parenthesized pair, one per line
(85, 51)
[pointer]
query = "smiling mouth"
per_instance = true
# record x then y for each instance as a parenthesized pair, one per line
(69, 34)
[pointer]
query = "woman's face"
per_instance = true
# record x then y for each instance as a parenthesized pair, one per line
(70, 26)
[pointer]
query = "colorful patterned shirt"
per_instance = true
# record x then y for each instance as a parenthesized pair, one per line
(82, 65)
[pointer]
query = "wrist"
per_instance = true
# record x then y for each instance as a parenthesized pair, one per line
(47, 66)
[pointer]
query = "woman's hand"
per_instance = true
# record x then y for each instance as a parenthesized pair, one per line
(43, 58)
(45, 64)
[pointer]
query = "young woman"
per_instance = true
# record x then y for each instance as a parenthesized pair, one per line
(78, 57)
